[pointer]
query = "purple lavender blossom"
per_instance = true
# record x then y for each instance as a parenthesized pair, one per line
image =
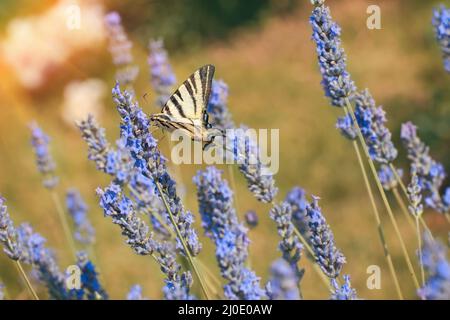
(120, 48)
(77, 208)
(296, 198)
(90, 284)
(2, 291)
(290, 245)
(430, 173)
(251, 219)
(441, 23)
(8, 234)
(135, 293)
(328, 257)
(44, 161)
(121, 209)
(221, 224)
(217, 106)
(387, 177)
(162, 77)
(45, 268)
(344, 292)
(152, 164)
(414, 192)
(336, 80)
(283, 283)
(437, 267)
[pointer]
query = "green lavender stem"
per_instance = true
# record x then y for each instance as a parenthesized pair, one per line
(64, 222)
(26, 280)
(383, 194)
(419, 241)
(183, 242)
(381, 236)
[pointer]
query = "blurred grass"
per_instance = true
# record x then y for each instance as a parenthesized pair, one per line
(274, 83)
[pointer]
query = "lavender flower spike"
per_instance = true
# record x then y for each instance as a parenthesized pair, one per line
(329, 258)
(441, 23)
(46, 166)
(430, 173)
(345, 292)
(217, 106)
(120, 48)
(2, 292)
(135, 293)
(8, 234)
(290, 245)
(90, 284)
(162, 76)
(283, 282)
(221, 224)
(45, 268)
(84, 231)
(414, 192)
(437, 266)
(336, 80)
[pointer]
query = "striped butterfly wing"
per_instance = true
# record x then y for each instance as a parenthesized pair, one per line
(190, 100)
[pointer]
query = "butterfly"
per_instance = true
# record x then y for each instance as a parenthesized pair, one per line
(186, 108)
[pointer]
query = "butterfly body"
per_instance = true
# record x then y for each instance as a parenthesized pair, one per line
(186, 108)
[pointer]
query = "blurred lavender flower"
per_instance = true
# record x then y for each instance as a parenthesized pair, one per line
(221, 224)
(98, 146)
(345, 292)
(329, 258)
(414, 192)
(345, 125)
(387, 176)
(437, 286)
(441, 23)
(135, 293)
(90, 285)
(2, 291)
(162, 76)
(336, 80)
(217, 106)
(8, 234)
(290, 245)
(46, 166)
(120, 48)
(45, 268)
(84, 231)
(152, 164)
(251, 219)
(296, 198)
(283, 283)
(430, 173)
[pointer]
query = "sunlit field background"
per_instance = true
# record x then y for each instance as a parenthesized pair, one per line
(263, 51)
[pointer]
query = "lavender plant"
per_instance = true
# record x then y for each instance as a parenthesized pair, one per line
(441, 23)
(430, 173)
(90, 284)
(120, 48)
(283, 284)
(84, 231)
(344, 292)
(220, 222)
(8, 234)
(329, 258)
(437, 286)
(162, 77)
(44, 161)
(290, 245)
(135, 293)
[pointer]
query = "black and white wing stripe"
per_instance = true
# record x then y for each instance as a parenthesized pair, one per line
(191, 98)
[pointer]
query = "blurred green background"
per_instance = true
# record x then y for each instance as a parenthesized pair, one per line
(262, 49)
